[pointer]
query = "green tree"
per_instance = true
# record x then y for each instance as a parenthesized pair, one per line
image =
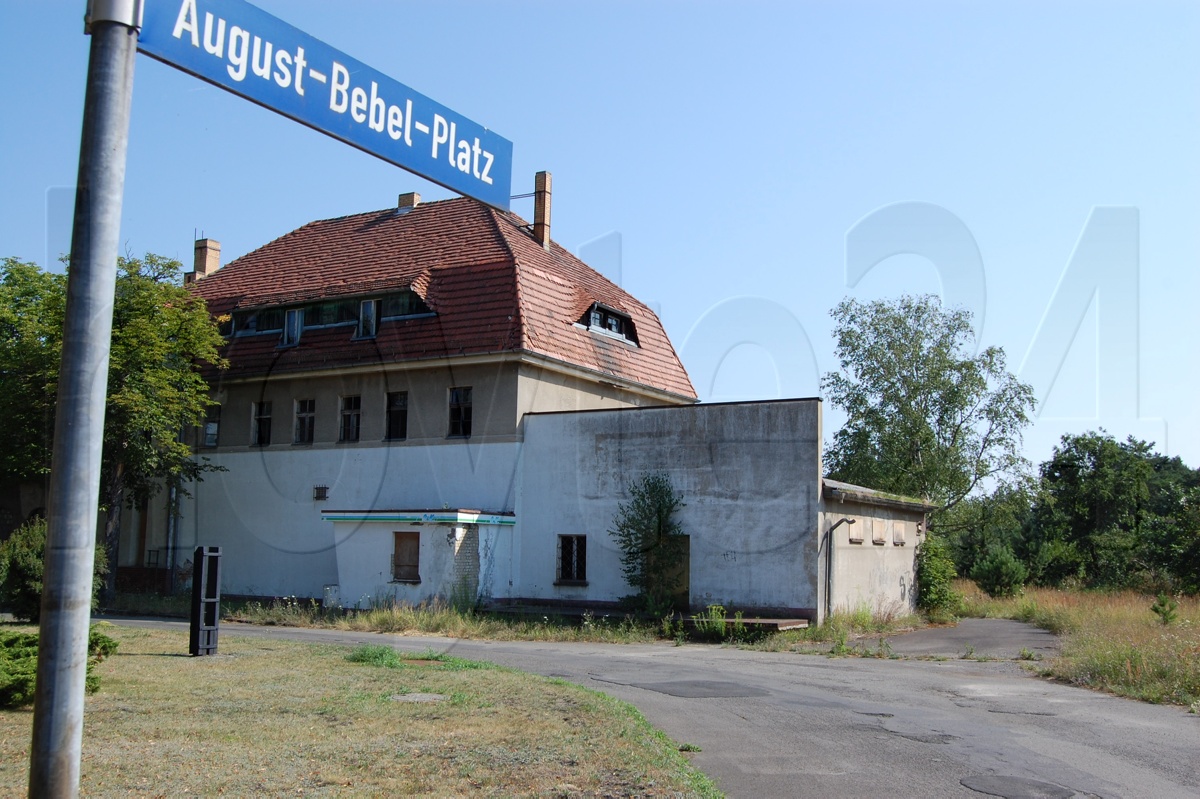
(935, 576)
(925, 417)
(999, 573)
(161, 334)
(651, 541)
(31, 316)
(1089, 519)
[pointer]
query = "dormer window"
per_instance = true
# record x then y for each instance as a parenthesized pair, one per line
(292, 325)
(602, 319)
(368, 317)
(402, 304)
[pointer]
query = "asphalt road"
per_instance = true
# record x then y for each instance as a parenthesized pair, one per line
(785, 725)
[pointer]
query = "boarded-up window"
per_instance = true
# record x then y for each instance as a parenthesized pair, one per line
(899, 532)
(879, 531)
(406, 558)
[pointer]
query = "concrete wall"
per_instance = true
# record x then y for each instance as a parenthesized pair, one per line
(543, 390)
(873, 559)
(449, 560)
(494, 403)
(749, 474)
(262, 513)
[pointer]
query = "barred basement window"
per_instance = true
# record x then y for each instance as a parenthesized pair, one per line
(572, 559)
(406, 557)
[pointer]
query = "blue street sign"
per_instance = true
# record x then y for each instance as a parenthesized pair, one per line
(247, 51)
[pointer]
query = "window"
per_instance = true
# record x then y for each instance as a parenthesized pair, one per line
(292, 326)
(460, 411)
(406, 303)
(601, 318)
(260, 432)
(406, 558)
(306, 421)
(899, 531)
(212, 425)
(878, 530)
(572, 559)
(397, 415)
(351, 418)
(367, 317)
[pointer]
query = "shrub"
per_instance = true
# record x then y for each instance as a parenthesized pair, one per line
(1165, 608)
(18, 665)
(21, 568)
(935, 575)
(999, 573)
(652, 543)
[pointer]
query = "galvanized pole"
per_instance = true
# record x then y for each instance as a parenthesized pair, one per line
(83, 379)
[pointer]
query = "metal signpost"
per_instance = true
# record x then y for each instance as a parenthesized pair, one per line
(234, 45)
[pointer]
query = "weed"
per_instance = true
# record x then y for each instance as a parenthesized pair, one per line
(1108, 641)
(1026, 654)
(1166, 608)
(689, 748)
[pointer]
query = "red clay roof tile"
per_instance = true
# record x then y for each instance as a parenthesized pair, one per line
(492, 287)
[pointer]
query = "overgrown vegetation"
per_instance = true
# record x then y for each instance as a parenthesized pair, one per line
(18, 665)
(278, 718)
(1101, 514)
(999, 573)
(21, 569)
(161, 332)
(1112, 640)
(860, 633)
(652, 544)
(440, 618)
(935, 577)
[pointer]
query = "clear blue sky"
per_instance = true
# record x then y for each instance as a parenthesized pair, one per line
(733, 148)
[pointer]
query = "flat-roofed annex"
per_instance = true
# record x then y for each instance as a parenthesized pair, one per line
(491, 288)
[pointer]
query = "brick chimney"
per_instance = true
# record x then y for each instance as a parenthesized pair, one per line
(541, 208)
(207, 261)
(408, 201)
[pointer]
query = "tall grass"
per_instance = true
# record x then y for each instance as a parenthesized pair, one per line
(1112, 641)
(443, 618)
(845, 632)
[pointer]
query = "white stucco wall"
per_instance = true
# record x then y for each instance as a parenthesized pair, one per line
(878, 571)
(749, 474)
(262, 514)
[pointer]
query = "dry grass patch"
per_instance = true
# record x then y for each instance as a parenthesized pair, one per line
(1112, 641)
(274, 718)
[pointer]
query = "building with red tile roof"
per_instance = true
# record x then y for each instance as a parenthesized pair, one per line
(436, 400)
(485, 287)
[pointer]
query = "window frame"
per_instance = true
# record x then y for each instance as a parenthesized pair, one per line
(574, 572)
(293, 327)
(409, 570)
(460, 402)
(350, 418)
(304, 425)
(210, 433)
(260, 423)
(392, 412)
(363, 329)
